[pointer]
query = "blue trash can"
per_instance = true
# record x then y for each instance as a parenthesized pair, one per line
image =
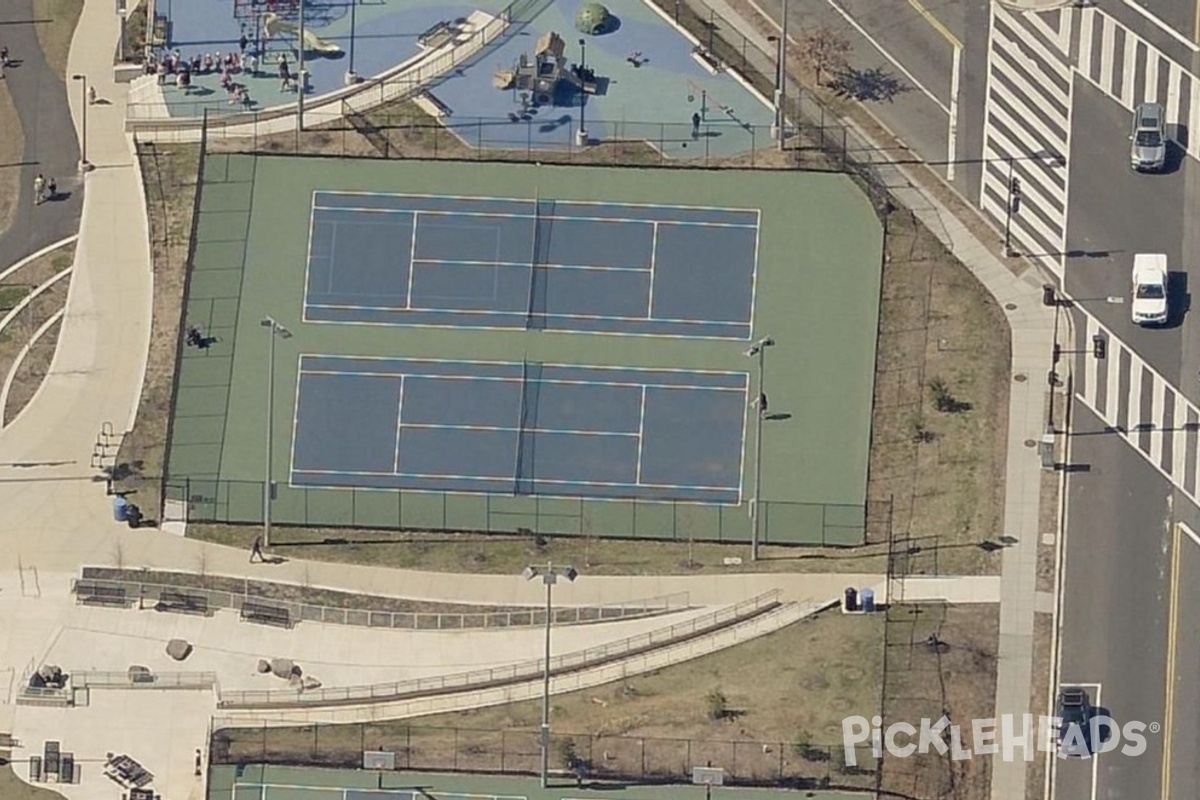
(867, 596)
(120, 509)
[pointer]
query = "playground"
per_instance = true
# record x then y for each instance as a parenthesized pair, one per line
(497, 347)
(642, 71)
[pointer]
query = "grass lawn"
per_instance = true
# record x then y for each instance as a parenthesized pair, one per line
(13, 788)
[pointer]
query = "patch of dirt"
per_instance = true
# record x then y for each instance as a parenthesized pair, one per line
(722, 708)
(955, 677)
(56, 26)
(32, 371)
(170, 174)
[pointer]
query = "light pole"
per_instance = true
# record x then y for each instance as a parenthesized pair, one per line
(758, 349)
(351, 75)
(777, 131)
(582, 91)
(300, 76)
(549, 575)
(274, 330)
(84, 164)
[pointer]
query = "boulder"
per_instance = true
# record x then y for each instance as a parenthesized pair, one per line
(264, 666)
(282, 667)
(179, 649)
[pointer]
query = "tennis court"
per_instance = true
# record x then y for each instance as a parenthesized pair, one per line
(518, 428)
(482, 262)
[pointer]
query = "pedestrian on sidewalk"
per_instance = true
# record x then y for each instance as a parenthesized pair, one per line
(91, 95)
(39, 189)
(696, 125)
(51, 189)
(256, 549)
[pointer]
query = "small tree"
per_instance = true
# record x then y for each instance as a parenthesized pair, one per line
(825, 51)
(718, 704)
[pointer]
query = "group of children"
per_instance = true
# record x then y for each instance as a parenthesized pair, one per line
(174, 66)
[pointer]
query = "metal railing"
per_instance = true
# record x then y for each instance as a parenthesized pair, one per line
(513, 673)
(43, 696)
(143, 680)
(148, 592)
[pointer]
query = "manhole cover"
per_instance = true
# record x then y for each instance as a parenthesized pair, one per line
(1031, 443)
(1011, 306)
(1020, 377)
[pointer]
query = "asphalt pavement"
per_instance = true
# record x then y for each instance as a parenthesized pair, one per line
(1115, 213)
(51, 148)
(1114, 615)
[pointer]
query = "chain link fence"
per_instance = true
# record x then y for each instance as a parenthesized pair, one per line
(585, 756)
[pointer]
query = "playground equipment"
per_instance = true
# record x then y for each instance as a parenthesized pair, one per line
(274, 25)
(593, 19)
(547, 75)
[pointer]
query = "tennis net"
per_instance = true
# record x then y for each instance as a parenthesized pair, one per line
(533, 259)
(521, 424)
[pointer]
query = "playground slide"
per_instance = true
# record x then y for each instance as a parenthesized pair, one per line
(273, 25)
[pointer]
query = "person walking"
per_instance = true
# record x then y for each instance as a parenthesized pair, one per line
(256, 549)
(51, 189)
(762, 405)
(39, 189)
(696, 125)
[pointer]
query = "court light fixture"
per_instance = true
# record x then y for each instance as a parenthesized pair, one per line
(758, 346)
(549, 575)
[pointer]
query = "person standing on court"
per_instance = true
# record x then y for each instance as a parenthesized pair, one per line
(762, 404)
(256, 549)
(696, 125)
(39, 189)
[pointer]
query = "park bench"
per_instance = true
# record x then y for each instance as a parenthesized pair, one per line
(183, 602)
(254, 611)
(96, 594)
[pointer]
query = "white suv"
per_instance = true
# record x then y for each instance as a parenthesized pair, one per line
(1150, 303)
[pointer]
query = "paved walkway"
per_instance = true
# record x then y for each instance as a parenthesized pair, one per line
(1032, 328)
(51, 148)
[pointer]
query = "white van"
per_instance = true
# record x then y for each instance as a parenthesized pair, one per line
(1150, 302)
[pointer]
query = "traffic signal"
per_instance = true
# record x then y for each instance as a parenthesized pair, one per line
(1099, 346)
(1057, 352)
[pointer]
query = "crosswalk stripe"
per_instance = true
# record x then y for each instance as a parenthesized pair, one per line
(1054, 139)
(1158, 407)
(1113, 388)
(1108, 41)
(1194, 119)
(1178, 435)
(1174, 80)
(1092, 382)
(1087, 22)
(1036, 21)
(1150, 92)
(1133, 397)
(1023, 38)
(1129, 71)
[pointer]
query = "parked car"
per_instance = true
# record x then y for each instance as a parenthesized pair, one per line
(1148, 150)
(1151, 305)
(1074, 732)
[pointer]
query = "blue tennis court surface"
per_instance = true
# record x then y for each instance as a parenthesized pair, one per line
(536, 263)
(519, 428)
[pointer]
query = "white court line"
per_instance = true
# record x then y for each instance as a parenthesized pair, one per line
(653, 259)
(430, 426)
(1129, 68)
(1174, 34)
(332, 260)
(399, 425)
(412, 262)
(1150, 88)
(552, 217)
(507, 479)
(641, 436)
